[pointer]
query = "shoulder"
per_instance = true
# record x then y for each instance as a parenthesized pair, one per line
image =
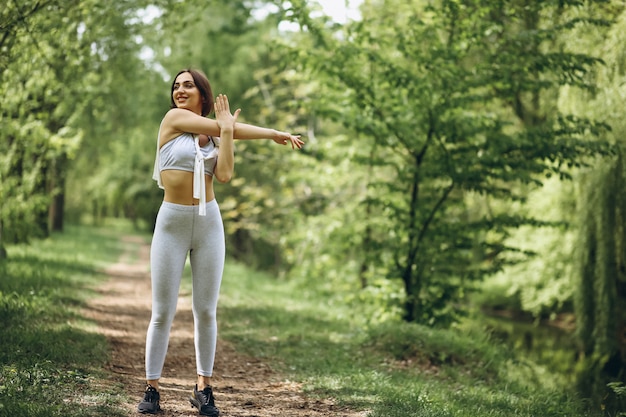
(169, 129)
(182, 120)
(168, 118)
(174, 114)
(177, 116)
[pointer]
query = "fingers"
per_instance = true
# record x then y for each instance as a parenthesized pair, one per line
(222, 107)
(221, 103)
(296, 142)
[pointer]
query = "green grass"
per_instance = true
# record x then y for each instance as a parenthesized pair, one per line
(393, 369)
(50, 357)
(49, 352)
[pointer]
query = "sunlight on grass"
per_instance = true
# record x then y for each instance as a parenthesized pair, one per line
(391, 369)
(47, 350)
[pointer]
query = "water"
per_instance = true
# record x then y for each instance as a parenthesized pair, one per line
(549, 344)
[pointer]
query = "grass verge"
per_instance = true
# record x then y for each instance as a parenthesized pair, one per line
(390, 370)
(50, 357)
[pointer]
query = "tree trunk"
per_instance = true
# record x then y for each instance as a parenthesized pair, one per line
(412, 288)
(56, 188)
(55, 213)
(601, 290)
(3, 252)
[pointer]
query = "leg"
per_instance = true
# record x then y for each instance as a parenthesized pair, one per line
(168, 253)
(207, 263)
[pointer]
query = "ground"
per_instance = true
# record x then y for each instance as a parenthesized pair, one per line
(243, 386)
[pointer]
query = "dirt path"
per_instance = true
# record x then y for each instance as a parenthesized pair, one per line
(243, 386)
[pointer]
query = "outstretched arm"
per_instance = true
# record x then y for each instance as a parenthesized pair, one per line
(245, 131)
(181, 120)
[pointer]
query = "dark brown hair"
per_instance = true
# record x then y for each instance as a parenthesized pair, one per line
(202, 83)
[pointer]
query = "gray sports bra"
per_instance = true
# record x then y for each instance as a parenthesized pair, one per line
(185, 154)
(180, 154)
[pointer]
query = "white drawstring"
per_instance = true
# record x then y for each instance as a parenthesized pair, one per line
(199, 182)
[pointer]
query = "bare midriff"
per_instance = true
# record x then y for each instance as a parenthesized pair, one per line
(178, 187)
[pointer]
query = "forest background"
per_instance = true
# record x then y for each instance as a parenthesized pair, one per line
(464, 158)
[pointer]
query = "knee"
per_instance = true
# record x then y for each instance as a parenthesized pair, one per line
(162, 317)
(205, 314)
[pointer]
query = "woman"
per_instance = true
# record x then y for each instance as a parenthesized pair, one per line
(189, 155)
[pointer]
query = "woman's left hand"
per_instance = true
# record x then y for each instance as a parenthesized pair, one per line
(225, 120)
(283, 138)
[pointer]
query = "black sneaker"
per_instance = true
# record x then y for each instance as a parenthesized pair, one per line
(205, 402)
(150, 403)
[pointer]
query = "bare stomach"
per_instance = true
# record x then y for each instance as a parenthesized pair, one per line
(178, 187)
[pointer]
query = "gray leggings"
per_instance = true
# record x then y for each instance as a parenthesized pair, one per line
(180, 231)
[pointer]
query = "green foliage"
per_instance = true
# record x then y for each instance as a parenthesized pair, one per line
(431, 126)
(457, 98)
(65, 60)
(390, 369)
(542, 285)
(424, 346)
(582, 265)
(47, 352)
(598, 273)
(39, 56)
(618, 387)
(400, 369)
(119, 118)
(599, 277)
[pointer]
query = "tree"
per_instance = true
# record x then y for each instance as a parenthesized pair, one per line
(71, 72)
(601, 282)
(455, 97)
(66, 64)
(35, 137)
(119, 117)
(600, 267)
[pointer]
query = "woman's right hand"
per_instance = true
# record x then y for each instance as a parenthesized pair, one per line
(225, 120)
(283, 138)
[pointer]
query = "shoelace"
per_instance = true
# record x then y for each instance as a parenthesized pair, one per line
(151, 394)
(208, 396)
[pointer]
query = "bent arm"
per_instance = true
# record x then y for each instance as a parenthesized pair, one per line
(185, 121)
(226, 156)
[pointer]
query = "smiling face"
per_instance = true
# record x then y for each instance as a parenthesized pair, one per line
(185, 93)
(188, 85)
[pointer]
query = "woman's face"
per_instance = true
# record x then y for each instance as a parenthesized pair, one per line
(186, 94)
